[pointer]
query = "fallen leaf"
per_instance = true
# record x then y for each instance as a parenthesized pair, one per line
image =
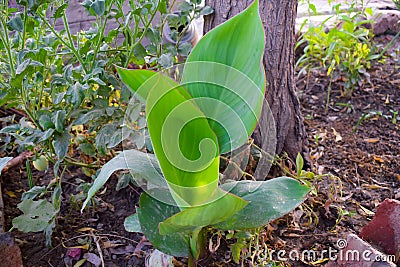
(74, 253)
(157, 258)
(372, 140)
(86, 229)
(398, 177)
(123, 250)
(387, 100)
(80, 263)
(338, 137)
(93, 259)
(11, 194)
(378, 159)
(109, 244)
(375, 186)
(85, 247)
(318, 262)
(364, 209)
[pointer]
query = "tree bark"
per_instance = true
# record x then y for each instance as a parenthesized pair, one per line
(279, 19)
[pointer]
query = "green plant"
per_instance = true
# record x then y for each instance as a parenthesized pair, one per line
(65, 86)
(191, 124)
(344, 51)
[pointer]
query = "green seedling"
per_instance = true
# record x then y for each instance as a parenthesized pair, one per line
(212, 111)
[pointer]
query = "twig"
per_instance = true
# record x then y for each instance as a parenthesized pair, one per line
(17, 160)
(96, 239)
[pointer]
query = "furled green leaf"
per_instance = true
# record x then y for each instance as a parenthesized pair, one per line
(36, 217)
(134, 80)
(123, 181)
(225, 76)
(132, 224)
(3, 162)
(194, 217)
(183, 141)
(151, 213)
(60, 11)
(139, 163)
(269, 200)
(33, 192)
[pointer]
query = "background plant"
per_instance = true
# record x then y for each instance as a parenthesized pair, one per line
(72, 101)
(345, 51)
(191, 124)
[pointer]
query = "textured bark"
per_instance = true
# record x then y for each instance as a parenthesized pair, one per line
(279, 23)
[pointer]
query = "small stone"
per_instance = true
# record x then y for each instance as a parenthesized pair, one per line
(387, 22)
(10, 254)
(384, 229)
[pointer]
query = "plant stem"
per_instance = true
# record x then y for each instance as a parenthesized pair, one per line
(5, 40)
(81, 164)
(60, 38)
(24, 30)
(236, 166)
(191, 261)
(146, 27)
(389, 45)
(72, 45)
(102, 29)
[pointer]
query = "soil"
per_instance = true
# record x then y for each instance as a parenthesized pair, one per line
(363, 163)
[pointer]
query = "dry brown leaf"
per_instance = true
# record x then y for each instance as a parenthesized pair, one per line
(372, 140)
(338, 137)
(85, 247)
(375, 186)
(11, 194)
(387, 100)
(378, 159)
(86, 229)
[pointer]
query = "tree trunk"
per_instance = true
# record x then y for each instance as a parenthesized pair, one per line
(279, 19)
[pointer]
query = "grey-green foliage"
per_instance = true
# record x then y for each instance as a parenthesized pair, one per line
(66, 83)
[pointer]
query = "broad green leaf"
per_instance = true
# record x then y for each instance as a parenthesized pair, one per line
(183, 142)
(61, 144)
(207, 10)
(33, 192)
(196, 217)
(151, 213)
(98, 7)
(16, 23)
(36, 217)
(3, 162)
(269, 200)
(139, 163)
(134, 80)
(87, 148)
(225, 76)
(132, 224)
(59, 120)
